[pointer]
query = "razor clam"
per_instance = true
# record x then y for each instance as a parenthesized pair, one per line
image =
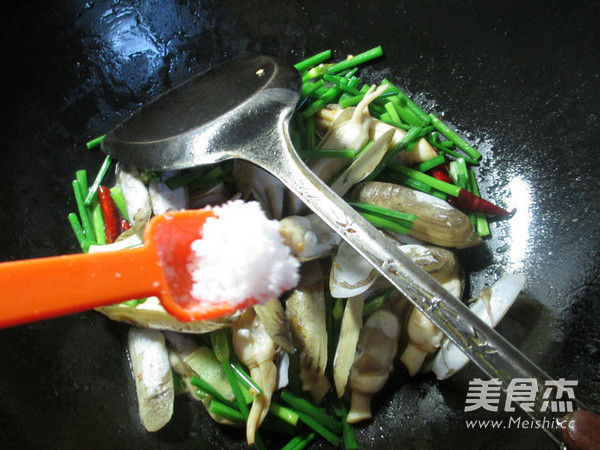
(419, 153)
(186, 374)
(437, 222)
(123, 241)
(441, 263)
(423, 151)
(350, 274)
(273, 317)
(151, 314)
(325, 117)
(349, 131)
(363, 165)
(375, 353)
(153, 377)
(490, 305)
(346, 347)
(424, 339)
(163, 198)
(252, 181)
(256, 350)
(213, 196)
(305, 309)
(189, 359)
(135, 192)
(308, 237)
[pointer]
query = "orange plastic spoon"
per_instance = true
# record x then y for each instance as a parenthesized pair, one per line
(42, 288)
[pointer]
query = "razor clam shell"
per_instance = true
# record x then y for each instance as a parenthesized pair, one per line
(363, 165)
(437, 222)
(346, 347)
(136, 194)
(153, 377)
(424, 339)
(350, 274)
(305, 309)
(276, 324)
(441, 263)
(212, 196)
(490, 305)
(375, 352)
(151, 314)
(252, 181)
(423, 151)
(308, 237)
(164, 199)
(186, 373)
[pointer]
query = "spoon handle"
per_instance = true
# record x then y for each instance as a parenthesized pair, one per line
(41, 288)
(484, 346)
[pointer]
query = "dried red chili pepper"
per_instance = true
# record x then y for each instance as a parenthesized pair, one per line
(110, 212)
(466, 200)
(125, 225)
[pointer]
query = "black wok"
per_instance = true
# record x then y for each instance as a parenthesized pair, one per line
(520, 77)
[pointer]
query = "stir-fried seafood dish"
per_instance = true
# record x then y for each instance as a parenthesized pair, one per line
(306, 365)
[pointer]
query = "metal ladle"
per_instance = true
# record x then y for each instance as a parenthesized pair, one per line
(241, 109)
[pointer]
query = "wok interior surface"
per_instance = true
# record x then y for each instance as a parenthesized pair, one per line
(520, 78)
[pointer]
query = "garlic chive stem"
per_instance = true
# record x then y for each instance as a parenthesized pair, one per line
(310, 134)
(391, 110)
(220, 346)
(451, 135)
(95, 142)
(303, 406)
(424, 178)
(313, 60)
(375, 303)
(286, 414)
(349, 436)
(398, 215)
(77, 229)
(333, 438)
(444, 149)
(309, 88)
(98, 180)
(84, 214)
(209, 389)
(400, 125)
(382, 222)
(186, 177)
(327, 153)
(410, 105)
(481, 223)
(241, 375)
(119, 199)
(431, 163)
(409, 139)
(357, 60)
(225, 411)
(98, 224)
(82, 181)
(299, 442)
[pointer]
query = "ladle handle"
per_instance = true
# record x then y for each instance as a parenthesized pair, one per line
(41, 288)
(484, 346)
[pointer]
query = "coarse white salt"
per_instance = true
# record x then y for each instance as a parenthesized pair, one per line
(241, 255)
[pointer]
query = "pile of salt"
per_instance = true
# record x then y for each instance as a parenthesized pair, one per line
(241, 255)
